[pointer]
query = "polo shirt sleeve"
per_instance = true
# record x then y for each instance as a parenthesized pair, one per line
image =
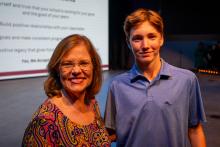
(110, 110)
(196, 108)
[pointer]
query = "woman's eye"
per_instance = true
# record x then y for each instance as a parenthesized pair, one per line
(66, 64)
(84, 64)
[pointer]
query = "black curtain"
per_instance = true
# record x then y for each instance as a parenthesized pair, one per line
(118, 52)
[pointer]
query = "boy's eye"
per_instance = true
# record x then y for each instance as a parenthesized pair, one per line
(151, 36)
(137, 38)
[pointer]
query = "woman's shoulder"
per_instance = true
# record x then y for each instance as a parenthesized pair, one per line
(94, 103)
(46, 110)
(43, 124)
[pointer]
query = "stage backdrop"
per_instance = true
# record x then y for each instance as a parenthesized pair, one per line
(30, 30)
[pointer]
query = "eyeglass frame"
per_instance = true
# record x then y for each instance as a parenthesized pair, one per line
(82, 64)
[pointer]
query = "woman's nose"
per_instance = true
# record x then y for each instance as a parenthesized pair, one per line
(76, 69)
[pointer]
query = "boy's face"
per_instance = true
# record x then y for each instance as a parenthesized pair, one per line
(145, 43)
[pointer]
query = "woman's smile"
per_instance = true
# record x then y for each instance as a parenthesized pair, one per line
(77, 80)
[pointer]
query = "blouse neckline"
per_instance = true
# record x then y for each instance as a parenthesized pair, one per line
(95, 121)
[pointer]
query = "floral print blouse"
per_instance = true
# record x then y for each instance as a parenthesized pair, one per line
(50, 127)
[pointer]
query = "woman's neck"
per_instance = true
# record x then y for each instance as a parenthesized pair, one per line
(76, 101)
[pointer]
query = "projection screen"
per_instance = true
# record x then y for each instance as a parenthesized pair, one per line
(31, 29)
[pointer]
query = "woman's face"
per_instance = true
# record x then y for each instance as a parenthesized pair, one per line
(145, 42)
(76, 70)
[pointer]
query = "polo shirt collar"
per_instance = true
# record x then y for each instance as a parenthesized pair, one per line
(165, 72)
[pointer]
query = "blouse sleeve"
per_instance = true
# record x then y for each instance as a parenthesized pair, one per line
(41, 132)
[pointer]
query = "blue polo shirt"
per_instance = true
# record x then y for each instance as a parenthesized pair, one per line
(154, 113)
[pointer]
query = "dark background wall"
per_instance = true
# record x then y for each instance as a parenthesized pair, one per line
(187, 22)
(191, 17)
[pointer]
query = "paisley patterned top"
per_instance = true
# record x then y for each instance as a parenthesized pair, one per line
(50, 127)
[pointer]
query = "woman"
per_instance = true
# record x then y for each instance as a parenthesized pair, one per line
(70, 116)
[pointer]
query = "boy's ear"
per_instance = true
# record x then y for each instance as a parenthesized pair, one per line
(161, 41)
(128, 44)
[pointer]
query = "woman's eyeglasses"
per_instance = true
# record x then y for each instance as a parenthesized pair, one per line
(69, 65)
